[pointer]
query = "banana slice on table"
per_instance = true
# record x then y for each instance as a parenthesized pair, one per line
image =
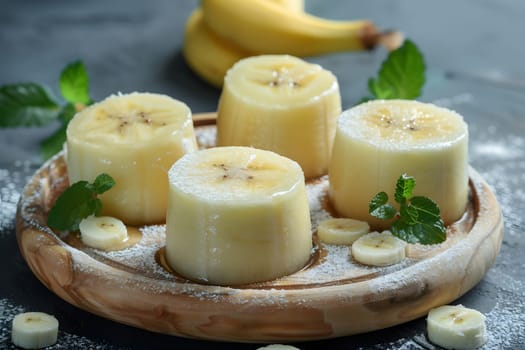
(134, 138)
(341, 230)
(378, 249)
(278, 347)
(283, 104)
(263, 27)
(34, 330)
(456, 327)
(102, 232)
(237, 215)
(378, 141)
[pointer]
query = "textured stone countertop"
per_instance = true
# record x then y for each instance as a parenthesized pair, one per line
(474, 54)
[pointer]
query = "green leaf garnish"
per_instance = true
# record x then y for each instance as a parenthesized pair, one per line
(30, 104)
(67, 113)
(418, 219)
(54, 143)
(26, 104)
(77, 202)
(401, 76)
(102, 183)
(379, 207)
(74, 83)
(404, 188)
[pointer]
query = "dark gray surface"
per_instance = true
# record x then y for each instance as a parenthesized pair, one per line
(475, 64)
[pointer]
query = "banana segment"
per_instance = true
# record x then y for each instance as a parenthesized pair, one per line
(134, 138)
(102, 232)
(34, 330)
(379, 249)
(283, 104)
(456, 327)
(278, 347)
(378, 141)
(341, 230)
(263, 27)
(237, 215)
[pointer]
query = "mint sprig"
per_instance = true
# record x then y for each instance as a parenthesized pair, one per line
(401, 76)
(418, 219)
(77, 202)
(74, 83)
(30, 104)
(27, 104)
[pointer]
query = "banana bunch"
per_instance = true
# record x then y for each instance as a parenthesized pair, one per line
(219, 33)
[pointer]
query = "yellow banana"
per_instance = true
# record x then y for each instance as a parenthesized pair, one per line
(206, 53)
(291, 5)
(209, 55)
(264, 27)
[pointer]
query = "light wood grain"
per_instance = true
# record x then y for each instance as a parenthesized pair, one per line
(290, 309)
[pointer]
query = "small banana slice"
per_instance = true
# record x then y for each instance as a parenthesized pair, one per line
(102, 232)
(341, 230)
(282, 104)
(34, 330)
(278, 347)
(237, 215)
(378, 141)
(456, 327)
(378, 249)
(135, 138)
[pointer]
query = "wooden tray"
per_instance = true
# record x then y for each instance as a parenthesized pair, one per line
(332, 296)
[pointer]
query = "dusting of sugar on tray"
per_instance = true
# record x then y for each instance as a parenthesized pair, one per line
(335, 263)
(10, 183)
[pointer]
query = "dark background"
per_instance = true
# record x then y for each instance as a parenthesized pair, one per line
(475, 58)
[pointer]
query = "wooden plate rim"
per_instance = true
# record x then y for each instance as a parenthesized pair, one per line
(224, 313)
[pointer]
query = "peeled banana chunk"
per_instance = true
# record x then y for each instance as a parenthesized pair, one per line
(456, 327)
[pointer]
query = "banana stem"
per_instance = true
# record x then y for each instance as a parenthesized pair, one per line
(389, 39)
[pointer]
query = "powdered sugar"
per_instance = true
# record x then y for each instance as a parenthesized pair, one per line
(334, 264)
(10, 183)
(8, 310)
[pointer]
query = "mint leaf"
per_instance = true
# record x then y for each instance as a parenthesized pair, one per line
(401, 76)
(67, 113)
(102, 183)
(404, 188)
(26, 104)
(379, 208)
(418, 220)
(425, 225)
(78, 202)
(73, 205)
(53, 144)
(74, 83)
(408, 214)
